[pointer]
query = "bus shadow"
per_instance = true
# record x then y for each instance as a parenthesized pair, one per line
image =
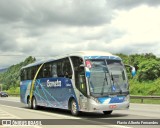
(96, 115)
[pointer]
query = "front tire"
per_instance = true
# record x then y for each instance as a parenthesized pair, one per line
(107, 112)
(74, 108)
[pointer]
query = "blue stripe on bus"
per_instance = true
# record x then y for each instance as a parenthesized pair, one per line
(53, 95)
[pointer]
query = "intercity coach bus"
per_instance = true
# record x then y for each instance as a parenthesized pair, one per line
(83, 81)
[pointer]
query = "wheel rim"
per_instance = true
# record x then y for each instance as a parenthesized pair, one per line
(74, 107)
(34, 103)
(29, 103)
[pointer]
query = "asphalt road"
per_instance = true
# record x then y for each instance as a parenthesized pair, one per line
(11, 108)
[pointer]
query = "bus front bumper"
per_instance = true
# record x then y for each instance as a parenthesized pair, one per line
(93, 107)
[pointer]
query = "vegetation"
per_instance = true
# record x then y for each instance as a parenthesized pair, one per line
(146, 81)
(10, 79)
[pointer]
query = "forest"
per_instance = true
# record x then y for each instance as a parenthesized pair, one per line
(146, 81)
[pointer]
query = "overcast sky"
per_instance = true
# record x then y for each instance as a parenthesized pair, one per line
(52, 27)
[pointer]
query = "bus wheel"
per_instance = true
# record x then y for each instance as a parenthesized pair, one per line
(74, 109)
(107, 112)
(34, 103)
(29, 103)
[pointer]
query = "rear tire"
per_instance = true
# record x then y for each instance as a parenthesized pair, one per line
(74, 108)
(34, 103)
(107, 112)
(29, 103)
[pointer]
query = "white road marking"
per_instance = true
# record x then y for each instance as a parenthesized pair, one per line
(6, 115)
(67, 117)
(46, 113)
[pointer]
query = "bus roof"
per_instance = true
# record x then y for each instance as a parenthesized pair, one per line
(79, 53)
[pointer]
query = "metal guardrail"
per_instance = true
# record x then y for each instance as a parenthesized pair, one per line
(145, 97)
(16, 95)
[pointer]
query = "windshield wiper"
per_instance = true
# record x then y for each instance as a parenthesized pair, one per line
(116, 83)
(105, 80)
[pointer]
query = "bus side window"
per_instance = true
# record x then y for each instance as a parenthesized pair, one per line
(32, 72)
(67, 70)
(47, 70)
(59, 69)
(54, 69)
(22, 74)
(25, 74)
(40, 73)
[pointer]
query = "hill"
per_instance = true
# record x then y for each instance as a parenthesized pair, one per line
(10, 78)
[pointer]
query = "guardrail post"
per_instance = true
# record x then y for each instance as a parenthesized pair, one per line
(142, 100)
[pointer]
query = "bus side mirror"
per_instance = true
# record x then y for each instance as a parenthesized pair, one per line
(133, 71)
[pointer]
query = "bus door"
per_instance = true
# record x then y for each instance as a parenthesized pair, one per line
(80, 82)
(83, 92)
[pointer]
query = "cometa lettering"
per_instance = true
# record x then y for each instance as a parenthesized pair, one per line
(53, 83)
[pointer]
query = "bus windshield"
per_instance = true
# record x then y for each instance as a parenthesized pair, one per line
(107, 77)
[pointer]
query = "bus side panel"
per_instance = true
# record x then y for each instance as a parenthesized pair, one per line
(25, 90)
(54, 92)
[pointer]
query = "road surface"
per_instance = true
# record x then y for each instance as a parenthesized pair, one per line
(11, 108)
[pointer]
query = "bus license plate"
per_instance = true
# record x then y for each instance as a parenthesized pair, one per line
(112, 106)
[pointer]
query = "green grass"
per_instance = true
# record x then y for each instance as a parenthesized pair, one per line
(145, 88)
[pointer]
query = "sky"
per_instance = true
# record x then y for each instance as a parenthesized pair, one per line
(52, 27)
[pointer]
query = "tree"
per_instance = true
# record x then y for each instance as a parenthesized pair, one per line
(149, 70)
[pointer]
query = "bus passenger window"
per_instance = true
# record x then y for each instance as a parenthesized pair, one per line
(54, 70)
(33, 70)
(25, 74)
(22, 74)
(67, 70)
(47, 71)
(59, 69)
(40, 73)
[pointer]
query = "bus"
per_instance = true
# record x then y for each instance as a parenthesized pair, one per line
(85, 81)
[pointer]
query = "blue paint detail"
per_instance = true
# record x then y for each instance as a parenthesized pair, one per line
(113, 88)
(102, 57)
(102, 99)
(117, 99)
(24, 90)
(88, 73)
(50, 96)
